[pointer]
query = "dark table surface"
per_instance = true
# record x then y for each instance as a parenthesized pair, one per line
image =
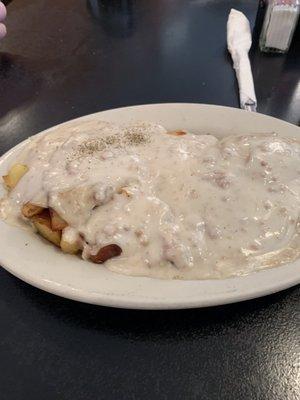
(63, 59)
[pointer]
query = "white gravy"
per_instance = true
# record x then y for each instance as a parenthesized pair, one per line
(185, 207)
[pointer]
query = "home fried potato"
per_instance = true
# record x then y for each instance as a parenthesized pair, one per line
(57, 223)
(42, 223)
(68, 247)
(14, 175)
(30, 209)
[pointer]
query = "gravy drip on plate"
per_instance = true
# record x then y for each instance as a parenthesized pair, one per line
(185, 207)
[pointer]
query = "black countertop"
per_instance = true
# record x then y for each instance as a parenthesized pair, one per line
(67, 58)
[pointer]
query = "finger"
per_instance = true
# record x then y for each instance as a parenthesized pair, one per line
(2, 31)
(2, 12)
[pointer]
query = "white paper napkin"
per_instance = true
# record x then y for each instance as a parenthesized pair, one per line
(239, 43)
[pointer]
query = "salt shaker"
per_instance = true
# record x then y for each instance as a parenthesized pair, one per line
(280, 21)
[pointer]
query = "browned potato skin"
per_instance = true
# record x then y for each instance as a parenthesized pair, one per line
(7, 181)
(105, 253)
(43, 217)
(42, 222)
(30, 209)
(57, 223)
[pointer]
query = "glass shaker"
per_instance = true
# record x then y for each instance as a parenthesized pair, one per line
(281, 17)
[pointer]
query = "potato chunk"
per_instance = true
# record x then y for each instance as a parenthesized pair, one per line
(30, 209)
(14, 175)
(42, 222)
(57, 223)
(69, 247)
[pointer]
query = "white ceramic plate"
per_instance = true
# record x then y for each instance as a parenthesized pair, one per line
(31, 259)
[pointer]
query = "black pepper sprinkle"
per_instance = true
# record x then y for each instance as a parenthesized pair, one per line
(131, 137)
